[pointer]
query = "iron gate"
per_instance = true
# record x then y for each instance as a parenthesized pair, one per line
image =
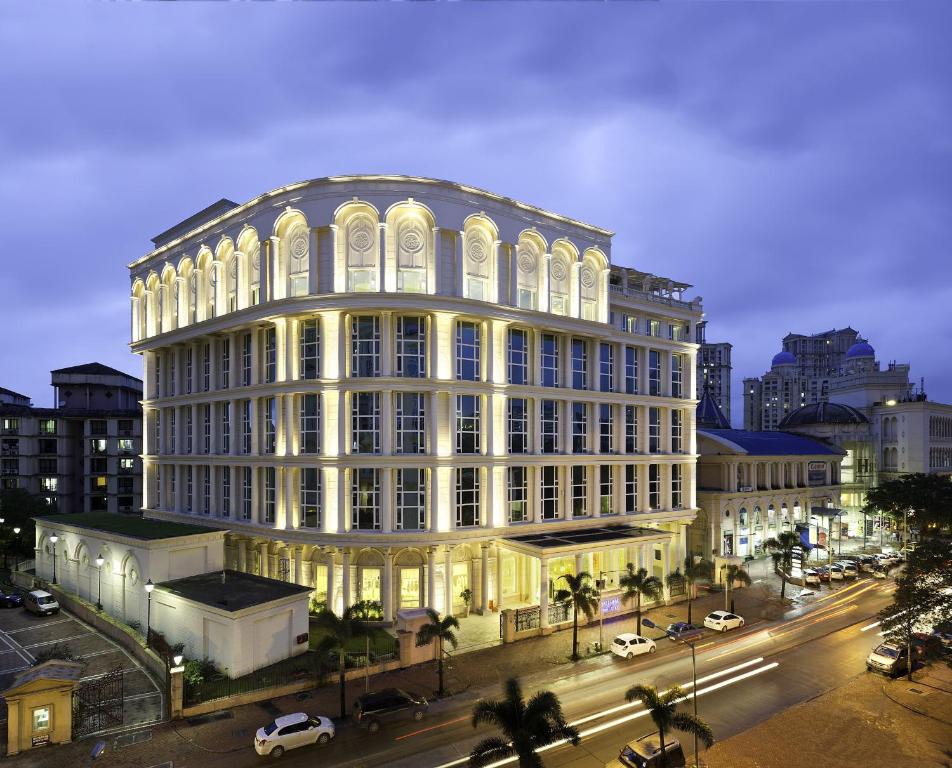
(97, 704)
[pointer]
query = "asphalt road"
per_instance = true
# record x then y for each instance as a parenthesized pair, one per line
(744, 677)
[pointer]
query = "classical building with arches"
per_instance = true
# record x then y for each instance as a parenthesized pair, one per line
(385, 387)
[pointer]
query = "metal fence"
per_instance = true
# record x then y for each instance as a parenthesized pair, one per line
(528, 618)
(559, 612)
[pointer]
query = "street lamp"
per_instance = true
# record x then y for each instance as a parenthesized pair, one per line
(53, 539)
(691, 643)
(99, 562)
(149, 586)
(16, 538)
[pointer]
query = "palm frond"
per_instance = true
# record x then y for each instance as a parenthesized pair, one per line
(646, 694)
(489, 751)
(672, 694)
(688, 723)
(488, 712)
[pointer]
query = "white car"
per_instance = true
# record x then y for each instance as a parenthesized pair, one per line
(723, 621)
(629, 645)
(811, 577)
(290, 731)
(836, 572)
(849, 568)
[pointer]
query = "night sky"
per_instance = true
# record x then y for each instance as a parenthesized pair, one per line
(791, 161)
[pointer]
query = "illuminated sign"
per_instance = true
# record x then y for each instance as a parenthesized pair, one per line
(611, 604)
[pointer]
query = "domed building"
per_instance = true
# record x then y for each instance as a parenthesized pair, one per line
(401, 389)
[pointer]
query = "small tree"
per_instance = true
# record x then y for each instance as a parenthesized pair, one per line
(440, 630)
(584, 598)
(662, 708)
(929, 497)
(636, 583)
(525, 727)
(339, 633)
(734, 573)
(695, 571)
(782, 548)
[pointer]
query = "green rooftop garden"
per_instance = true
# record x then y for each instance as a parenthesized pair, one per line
(126, 525)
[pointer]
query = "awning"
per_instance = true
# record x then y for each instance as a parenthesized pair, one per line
(826, 512)
(583, 540)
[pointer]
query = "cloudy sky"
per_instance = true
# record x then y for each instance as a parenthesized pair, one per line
(791, 161)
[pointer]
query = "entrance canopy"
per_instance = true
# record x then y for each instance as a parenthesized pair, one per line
(583, 540)
(826, 512)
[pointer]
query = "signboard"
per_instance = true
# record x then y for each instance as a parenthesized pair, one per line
(611, 604)
(41, 741)
(816, 473)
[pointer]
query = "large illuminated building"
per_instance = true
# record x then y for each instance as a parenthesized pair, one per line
(397, 389)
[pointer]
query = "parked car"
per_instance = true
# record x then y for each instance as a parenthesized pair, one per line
(722, 621)
(888, 658)
(389, 705)
(292, 731)
(681, 630)
(11, 600)
(850, 569)
(879, 573)
(646, 752)
(628, 645)
(823, 572)
(868, 563)
(40, 602)
(836, 572)
(810, 576)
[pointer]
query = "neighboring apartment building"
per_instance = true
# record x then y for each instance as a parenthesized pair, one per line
(82, 455)
(714, 369)
(395, 389)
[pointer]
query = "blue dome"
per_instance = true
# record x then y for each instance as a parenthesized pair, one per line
(860, 349)
(784, 358)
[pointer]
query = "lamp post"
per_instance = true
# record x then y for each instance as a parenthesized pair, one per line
(691, 643)
(16, 541)
(99, 562)
(53, 539)
(149, 586)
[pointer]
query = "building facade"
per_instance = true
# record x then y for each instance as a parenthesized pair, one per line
(82, 455)
(714, 369)
(397, 389)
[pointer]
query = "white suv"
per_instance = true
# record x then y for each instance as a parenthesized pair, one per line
(290, 731)
(723, 621)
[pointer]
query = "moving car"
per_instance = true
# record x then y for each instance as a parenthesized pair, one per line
(11, 600)
(628, 645)
(391, 704)
(723, 621)
(292, 731)
(40, 602)
(681, 630)
(887, 658)
(646, 753)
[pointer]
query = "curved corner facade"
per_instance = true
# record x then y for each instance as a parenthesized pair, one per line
(398, 389)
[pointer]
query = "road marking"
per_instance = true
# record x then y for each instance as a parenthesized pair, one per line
(870, 626)
(13, 645)
(39, 626)
(60, 640)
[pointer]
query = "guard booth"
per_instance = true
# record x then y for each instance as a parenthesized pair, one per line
(40, 705)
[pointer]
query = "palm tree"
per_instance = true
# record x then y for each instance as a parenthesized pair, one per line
(695, 571)
(584, 598)
(782, 548)
(339, 632)
(638, 583)
(662, 707)
(525, 727)
(734, 574)
(440, 630)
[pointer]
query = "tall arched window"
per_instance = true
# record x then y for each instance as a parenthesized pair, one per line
(528, 270)
(138, 311)
(205, 285)
(358, 249)
(248, 270)
(479, 259)
(594, 263)
(169, 301)
(152, 326)
(410, 248)
(227, 276)
(293, 260)
(564, 256)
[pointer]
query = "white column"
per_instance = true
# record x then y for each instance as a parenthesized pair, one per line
(431, 578)
(544, 592)
(345, 578)
(498, 595)
(484, 578)
(387, 585)
(330, 579)
(448, 581)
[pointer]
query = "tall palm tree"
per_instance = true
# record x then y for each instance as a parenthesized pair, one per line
(734, 574)
(781, 549)
(525, 727)
(584, 598)
(440, 630)
(662, 707)
(637, 584)
(695, 571)
(339, 632)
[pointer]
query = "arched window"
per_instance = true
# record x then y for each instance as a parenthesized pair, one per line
(560, 279)
(293, 260)
(742, 517)
(410, 249)
(358, 249)
(152, 325)
(227, 276)
(528, 269)
(169, 301)
(479, 258)
(594, 263)
(205, 285)
(138, 311)
(248, 270)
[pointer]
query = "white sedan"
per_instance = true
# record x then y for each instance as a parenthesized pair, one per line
(290, 731)
(723, 621)
(629, 645)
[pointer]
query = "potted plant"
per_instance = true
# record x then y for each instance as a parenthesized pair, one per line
(466, 596)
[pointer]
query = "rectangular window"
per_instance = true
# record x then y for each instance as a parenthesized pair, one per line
(246, 493)
(98, 466)
(467, 497)
(310, 497)
(550, 360)
(97, 446)
(518, 423)
(173, 379)
(654, 430)
(226, 426)
(41, 719)
(517, 495)
(48, 466)
(44, 445)
(189, 370)
(49, 484)
(550, 493)
(411, 499)
(97, 427)
(526, 298)
(225, 362)
(606, 368)
(631, 429)
(206, 367)
(677, 431)
(365, 500)
(173, 442)
(126, 445)
(605, 428)
(654, 487)
(467, 423)
(47, 426)
(226, 491)
(157, 375)
(309, 350)
(188, 488)
(467, 351)
(579, 427)
(310, 423)
(365, 422)
(652, 327)
(549, 426)
(518, 356)
(206, 428)
(631, 489)
(605, 489)
(411, 347)
(631, 370)
(246, 426)
(246, 360)
(270, 424)
(269, 494)
(206, 490)
(676, 495)
(411, 422)
(270, 354)
(579, 491)
(677, 375)
(124, 427)
(579, 364)
(654, 372)
(365, 346)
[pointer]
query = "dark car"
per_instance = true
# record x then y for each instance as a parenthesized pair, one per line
(681, 630)
(391, 704)
(11, 600)
(823, 572)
